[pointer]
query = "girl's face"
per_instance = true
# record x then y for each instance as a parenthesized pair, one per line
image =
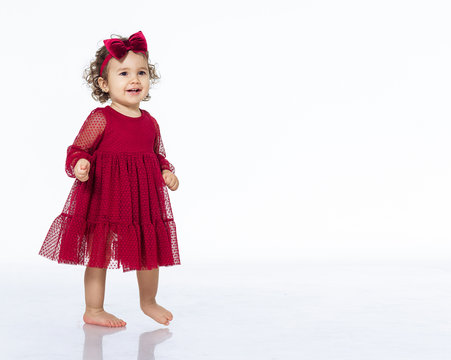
(131, 72)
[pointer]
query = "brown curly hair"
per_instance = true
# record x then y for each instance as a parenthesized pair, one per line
(92, 73)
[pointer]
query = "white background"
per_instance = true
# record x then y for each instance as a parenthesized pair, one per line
(299, 130)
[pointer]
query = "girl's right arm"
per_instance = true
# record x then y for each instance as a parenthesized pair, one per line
(86, 141)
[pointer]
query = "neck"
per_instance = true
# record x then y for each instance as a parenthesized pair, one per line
(126, 110)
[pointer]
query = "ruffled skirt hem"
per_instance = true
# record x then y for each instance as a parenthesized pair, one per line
(111, 245)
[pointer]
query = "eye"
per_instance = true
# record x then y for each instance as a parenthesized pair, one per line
(123, 72)
(143, 72)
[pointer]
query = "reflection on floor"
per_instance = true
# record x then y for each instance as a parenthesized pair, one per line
(304, 310)
(93, 347)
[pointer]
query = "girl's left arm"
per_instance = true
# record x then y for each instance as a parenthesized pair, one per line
(160, 151)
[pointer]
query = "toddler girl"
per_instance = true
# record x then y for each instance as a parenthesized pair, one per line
(118, 212)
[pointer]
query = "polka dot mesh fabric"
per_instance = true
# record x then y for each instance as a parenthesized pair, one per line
(122, 215)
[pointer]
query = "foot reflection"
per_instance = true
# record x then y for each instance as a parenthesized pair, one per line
(148, 340)
(93, 348)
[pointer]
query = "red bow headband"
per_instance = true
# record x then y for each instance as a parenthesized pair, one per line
(118, 48)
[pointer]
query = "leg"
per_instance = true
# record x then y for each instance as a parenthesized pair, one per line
(94, 297)
(148, 285)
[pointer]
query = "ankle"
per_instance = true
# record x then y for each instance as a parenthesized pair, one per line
(90, 309)
(145, 302)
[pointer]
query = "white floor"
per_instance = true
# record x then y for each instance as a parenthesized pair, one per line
(305, 311)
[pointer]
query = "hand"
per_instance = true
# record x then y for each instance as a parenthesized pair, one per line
(81, 170)
(170, 179)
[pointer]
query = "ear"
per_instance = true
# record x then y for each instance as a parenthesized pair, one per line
(103, 84)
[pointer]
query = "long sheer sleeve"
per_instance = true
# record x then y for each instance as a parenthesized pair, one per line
(86, 141)
(159, 150)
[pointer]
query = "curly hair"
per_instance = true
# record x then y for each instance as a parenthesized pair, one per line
(92, 73)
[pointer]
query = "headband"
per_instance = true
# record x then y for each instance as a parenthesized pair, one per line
(118, 48)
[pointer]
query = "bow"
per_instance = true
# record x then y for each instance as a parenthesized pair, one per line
(118, 48)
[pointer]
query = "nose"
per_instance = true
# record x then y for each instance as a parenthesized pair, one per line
(135, 78)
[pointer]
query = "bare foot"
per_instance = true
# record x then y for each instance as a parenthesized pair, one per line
(102, 318)
(157, 312)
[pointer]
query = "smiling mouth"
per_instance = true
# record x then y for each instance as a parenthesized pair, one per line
(134, 90)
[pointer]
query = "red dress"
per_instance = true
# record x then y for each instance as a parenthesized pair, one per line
(122, 215)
